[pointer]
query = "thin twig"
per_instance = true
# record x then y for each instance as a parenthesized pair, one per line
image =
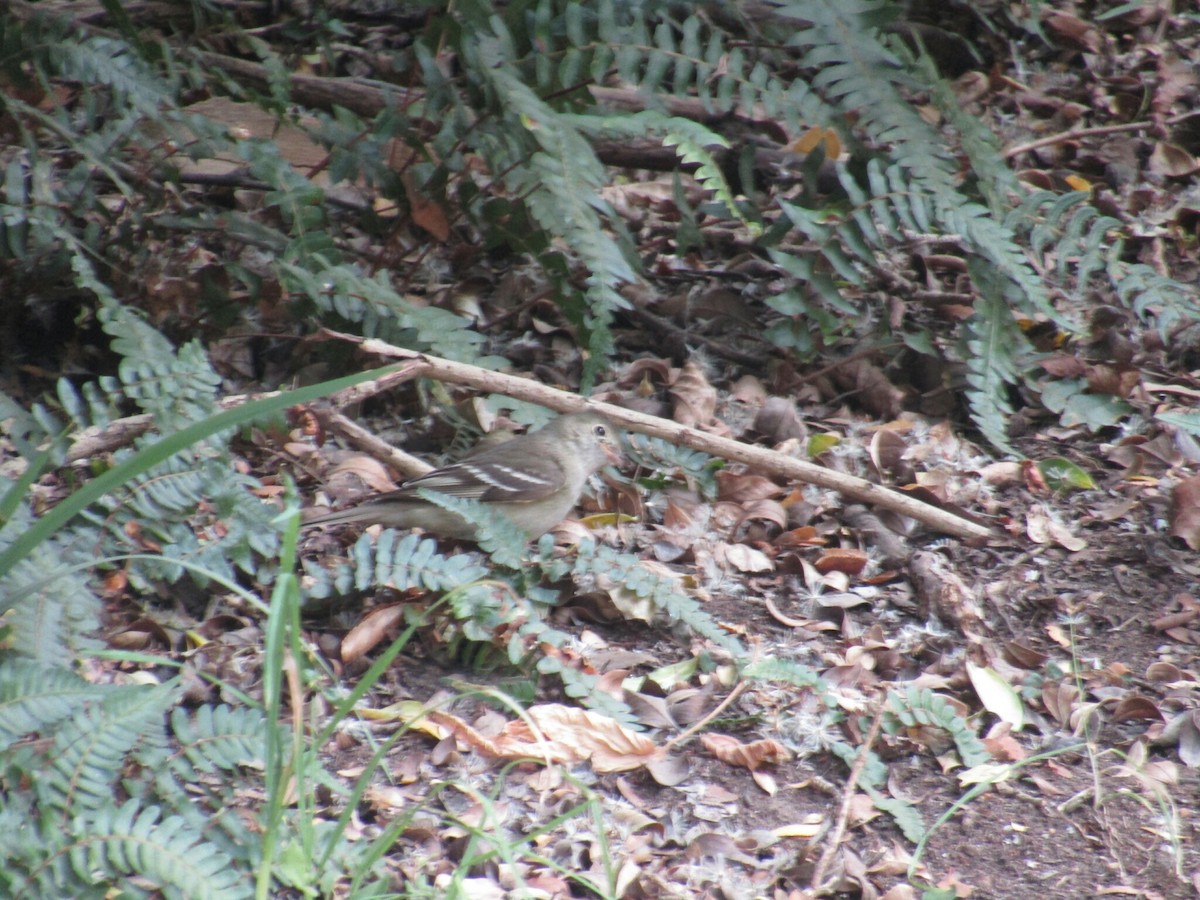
(1098, 130)
(406, 464)
(686, 736)
(834, 839)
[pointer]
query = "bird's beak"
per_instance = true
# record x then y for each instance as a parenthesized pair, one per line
(615, 456)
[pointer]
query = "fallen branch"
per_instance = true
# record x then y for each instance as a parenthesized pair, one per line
(762, 460)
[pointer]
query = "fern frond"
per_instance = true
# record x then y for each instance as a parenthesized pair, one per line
(97, 60)
(658, 455)
(632, 574)
(918, 707)
(374, 303)
(872, 781)
(51, 608)
(220, 737)
(1155, 297)
(132, 840)
(36, 697)
(994, 346)
(399, 562)
(90, 747)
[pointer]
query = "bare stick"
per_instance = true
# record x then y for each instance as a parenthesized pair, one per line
(835, 836)
(760, 459)
(404, 463)
(1096, 131)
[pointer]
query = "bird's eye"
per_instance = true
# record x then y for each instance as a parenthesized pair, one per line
(601, 431)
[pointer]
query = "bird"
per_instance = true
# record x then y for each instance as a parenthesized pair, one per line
(535, 480)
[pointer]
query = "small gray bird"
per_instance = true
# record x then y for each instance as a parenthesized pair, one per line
(535, 480)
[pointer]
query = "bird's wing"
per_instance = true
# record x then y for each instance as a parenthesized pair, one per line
(491, 482)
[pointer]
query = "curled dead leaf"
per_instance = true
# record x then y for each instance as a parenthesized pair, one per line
(1163, 672)
(561, 734)
(765, 511)
(842, 559)
(748, 756)
(376, 626)
(887, 455)
(871, 387)
(778, 421)
(743, 558)
(357, 475)
(741, 487)
(695, 398)
(1074, 32)
(1185, 512)
(1136, 706)
(1172, 161)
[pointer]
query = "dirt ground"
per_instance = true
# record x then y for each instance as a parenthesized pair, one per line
(1101, 804)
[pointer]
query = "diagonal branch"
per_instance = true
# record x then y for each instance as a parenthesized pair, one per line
(761, 459)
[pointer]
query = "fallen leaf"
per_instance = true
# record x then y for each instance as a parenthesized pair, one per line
(741, 487)
(743, 558)
(998, 696)
(378, 625)
(749, 756)
(1185, 512)
(695, 398)
(847, 560)
(564, 734)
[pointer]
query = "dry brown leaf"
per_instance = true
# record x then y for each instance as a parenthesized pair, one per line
(809, 827)
(1002, 745)
(695, 398)
(1185, 511)
(1184, 732)
(1164, 672)
(748, 756)
(1063, 365)
(888, 455)
(668, 770)
(749, 390)
(426, 212)
(720, 301)
(1136, 706)
(778, 421)
(741, 487)
(862, 809)
(1074, 32)
(743, 558)
(871, 387)
(645, 369)
(766, 511)
(358, 473)
(1041, 528)
(1172, 161)
(1025, 657)
(847, 560)
(766, 781)
(568, 735)
(1119, 381)
(804, 536)
(1060, 700)
(377, 626)
(717, 846)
